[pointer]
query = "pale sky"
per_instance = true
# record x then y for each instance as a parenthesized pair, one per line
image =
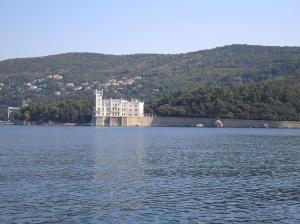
(42, 27)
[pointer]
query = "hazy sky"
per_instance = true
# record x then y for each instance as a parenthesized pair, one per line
(41, 27)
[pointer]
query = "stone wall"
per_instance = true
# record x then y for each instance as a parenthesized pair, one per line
(234, 123)
(192, 122)
(206, 122)
(168, 121)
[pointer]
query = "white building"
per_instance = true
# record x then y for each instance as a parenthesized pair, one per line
(33, 87)
(117, 107)
(11, 111)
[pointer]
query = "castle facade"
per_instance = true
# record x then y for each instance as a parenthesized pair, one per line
(115, 108)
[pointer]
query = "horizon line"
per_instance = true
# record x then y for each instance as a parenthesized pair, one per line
(145, 53)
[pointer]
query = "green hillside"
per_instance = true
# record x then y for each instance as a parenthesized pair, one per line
(268, 100)
(145, 76)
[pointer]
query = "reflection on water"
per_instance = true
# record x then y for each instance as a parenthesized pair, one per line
(149, 175)
(118, 155)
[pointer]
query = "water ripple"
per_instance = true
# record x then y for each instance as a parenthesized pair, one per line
(151, 175)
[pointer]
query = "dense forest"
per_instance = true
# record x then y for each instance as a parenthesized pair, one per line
(68, 111)
(270, 100)
(160, 74)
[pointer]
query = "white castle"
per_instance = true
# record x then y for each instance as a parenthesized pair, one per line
(116, 108)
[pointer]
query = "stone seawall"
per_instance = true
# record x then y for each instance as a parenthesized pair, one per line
(168, 121)
(232, 123)
(206, 122)
(192, 122)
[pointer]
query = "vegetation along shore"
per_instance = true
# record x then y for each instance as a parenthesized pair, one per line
(231, 82)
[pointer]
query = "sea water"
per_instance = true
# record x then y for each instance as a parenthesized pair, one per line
(149, 175)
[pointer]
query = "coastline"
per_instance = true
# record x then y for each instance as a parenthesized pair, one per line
(171, 122)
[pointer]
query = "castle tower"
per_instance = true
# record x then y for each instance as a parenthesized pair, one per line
(97, 117)
(98, 102)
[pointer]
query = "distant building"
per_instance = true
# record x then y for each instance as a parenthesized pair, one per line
(70, 84)
(11, 111)
(77, 88)
(129, 81)
(33, 87)
(117, 107)
(58, 77)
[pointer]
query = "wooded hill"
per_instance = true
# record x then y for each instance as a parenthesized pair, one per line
(268, 100)
(161, 74)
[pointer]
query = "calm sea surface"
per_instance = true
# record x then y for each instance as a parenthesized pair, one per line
(149, 175)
